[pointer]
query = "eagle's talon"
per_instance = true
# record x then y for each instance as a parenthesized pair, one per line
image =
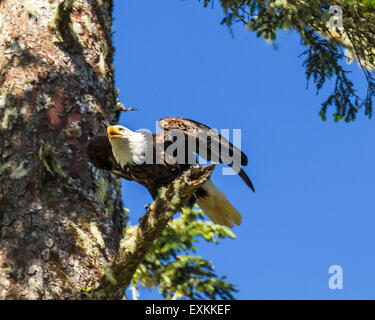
(123, 152)
(150, 207)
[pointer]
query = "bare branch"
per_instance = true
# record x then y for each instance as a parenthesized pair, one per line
(134, 247)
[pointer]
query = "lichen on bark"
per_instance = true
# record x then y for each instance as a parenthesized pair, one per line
(61, 219)
(53, 98)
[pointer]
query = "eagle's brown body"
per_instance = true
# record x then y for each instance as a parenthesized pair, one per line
(153, 176)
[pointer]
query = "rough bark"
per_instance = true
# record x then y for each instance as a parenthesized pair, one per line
(135, 245)
(59, 216)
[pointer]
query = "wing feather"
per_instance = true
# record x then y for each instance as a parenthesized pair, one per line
(200, 132)
(207, 139)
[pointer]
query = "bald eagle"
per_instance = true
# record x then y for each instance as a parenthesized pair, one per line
(144, 158)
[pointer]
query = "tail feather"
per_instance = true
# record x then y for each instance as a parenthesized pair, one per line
(217, 207)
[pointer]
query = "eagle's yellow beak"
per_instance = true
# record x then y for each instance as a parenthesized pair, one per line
(113, 133)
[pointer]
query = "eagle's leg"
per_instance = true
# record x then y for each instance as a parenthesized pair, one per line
(150, 207)
(147, 207)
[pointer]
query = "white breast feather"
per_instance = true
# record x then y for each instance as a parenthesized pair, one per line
(129, 150)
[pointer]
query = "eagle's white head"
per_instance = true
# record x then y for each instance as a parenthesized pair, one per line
(128, 147)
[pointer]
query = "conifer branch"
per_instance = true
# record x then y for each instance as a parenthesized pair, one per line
(133, 247)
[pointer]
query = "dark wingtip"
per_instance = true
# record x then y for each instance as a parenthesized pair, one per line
(243, 159)
(252, 188)
(250, 185)
(246, 179)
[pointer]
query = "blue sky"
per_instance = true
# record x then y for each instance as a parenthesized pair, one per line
(314, 205)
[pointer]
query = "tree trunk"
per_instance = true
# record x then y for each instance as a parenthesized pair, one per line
(60, 218)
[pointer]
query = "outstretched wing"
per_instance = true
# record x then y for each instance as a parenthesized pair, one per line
(215, 146)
